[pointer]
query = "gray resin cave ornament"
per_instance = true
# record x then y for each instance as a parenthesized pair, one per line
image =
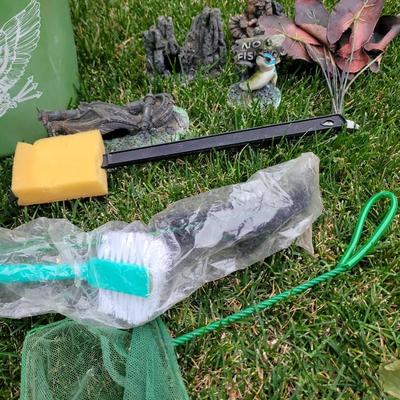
(247, 24)
(259, 55)
(204, 46)
(162, 49)
(150, 120)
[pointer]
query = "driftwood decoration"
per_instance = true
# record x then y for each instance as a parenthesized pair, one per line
(151, 120)
(152, 112)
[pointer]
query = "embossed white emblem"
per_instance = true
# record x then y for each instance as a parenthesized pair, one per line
(19, 37)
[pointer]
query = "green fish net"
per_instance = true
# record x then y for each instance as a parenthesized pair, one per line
(70, 361)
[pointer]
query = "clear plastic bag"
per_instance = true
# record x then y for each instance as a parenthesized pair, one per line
(194, 241)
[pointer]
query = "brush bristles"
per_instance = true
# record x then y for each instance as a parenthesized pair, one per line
(141, 249)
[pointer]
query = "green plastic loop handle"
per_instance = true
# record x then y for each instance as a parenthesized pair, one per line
(350, 259)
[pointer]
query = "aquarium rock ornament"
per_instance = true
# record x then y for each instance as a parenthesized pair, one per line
(150, 120)
(345, 43)
(259, 55)
(162, 49)
(205, 43)
(204, 47)
(246, 25)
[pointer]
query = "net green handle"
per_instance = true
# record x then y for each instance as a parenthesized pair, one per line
(349, 260)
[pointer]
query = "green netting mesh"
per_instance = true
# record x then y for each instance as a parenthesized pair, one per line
(70, 361)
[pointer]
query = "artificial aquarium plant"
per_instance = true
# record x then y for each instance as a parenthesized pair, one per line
(344, 43)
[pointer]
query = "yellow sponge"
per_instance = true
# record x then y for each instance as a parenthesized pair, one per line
(59, 168)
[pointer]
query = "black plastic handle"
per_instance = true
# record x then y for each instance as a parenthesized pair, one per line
(223, 141)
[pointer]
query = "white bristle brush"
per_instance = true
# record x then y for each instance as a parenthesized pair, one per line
(142, 249)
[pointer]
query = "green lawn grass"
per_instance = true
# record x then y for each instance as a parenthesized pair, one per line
(329, 343)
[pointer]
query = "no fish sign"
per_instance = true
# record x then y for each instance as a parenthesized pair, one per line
(246, 50)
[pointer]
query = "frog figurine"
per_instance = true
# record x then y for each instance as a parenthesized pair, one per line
(266, 74)
(259, 55)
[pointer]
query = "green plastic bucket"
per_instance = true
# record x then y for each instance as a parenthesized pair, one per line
(38, 66)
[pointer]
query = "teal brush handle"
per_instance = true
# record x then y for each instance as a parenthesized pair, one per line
(128, 279)
(26, 273)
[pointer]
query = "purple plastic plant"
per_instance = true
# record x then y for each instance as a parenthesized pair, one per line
(344, 43)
